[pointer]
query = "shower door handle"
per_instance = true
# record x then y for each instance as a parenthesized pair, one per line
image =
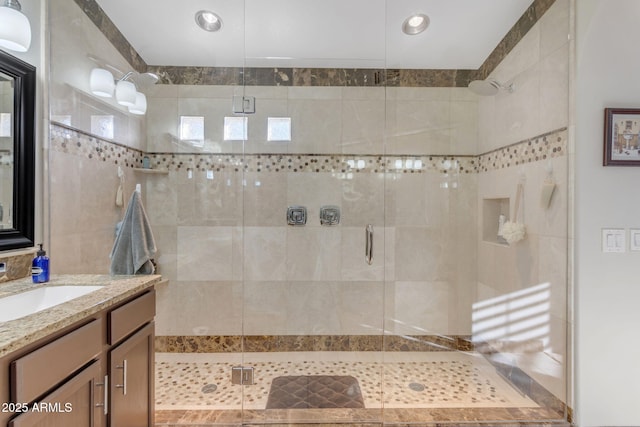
(368, 248)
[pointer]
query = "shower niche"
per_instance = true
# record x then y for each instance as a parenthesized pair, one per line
(492, 210)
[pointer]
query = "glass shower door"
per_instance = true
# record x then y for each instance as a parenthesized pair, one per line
(313, 234)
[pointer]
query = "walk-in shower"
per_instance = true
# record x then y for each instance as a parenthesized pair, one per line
(329, 223)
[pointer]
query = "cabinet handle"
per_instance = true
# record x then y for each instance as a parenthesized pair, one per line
(123, 386)
(105, 395)
(368, 248)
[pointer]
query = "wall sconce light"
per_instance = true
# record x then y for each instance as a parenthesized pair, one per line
(140, 107)
(103, 84)
(15, 30)
(126, 93)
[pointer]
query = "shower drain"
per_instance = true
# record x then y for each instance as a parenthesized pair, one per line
(417, 386)
(209, 388)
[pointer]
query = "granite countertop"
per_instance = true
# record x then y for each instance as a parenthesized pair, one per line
(15, 334)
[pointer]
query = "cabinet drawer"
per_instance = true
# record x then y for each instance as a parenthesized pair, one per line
(34, 374)
(129, 317)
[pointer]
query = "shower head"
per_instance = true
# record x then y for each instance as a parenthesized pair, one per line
(145, 80)
(488, 87)
(148, 79)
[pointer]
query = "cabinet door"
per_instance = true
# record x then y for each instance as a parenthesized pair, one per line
(77, 403)
(131, 373)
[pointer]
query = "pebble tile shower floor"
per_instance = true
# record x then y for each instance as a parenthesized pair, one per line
(443, 379)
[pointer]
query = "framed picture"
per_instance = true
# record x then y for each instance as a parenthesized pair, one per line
(621, 137)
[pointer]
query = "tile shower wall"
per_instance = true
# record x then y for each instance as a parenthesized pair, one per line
(83, 169)
(313, 280)
(83, 198)
(199, 217)
(531, 274)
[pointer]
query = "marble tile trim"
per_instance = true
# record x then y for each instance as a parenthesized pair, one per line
(100, 19)
(279, 343)
(528, 19)
(540, 148)
(315, 76)
(522, 381)
(396, 417)
(341, 77)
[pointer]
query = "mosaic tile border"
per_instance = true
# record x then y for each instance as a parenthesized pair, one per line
(543, 147)
(315, 76)
(75, 142)
(280, 343)
(320, 163)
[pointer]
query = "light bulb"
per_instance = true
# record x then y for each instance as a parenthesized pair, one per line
(126, 93)
(15, 30)
(140, 107)
(101, 83)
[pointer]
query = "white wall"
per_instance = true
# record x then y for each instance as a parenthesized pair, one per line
(607, 285)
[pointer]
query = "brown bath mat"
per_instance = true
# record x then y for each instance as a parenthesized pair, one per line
(315, 391)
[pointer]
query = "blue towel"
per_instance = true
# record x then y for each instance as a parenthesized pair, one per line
(135, 246)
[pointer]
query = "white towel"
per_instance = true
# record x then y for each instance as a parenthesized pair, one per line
(135, 246)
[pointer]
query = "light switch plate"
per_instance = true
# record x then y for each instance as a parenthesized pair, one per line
(614, 240)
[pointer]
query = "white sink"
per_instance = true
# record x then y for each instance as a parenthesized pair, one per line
(26, 303)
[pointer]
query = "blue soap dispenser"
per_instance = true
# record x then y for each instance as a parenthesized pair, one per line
(40, 267)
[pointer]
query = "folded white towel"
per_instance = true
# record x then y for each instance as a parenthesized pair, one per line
(134, 247)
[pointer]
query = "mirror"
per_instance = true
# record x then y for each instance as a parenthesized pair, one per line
(17, 152)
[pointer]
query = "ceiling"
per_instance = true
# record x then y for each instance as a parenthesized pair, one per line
(316, 33)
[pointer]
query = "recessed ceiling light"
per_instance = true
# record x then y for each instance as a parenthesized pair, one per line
(415, 24)
(208, 20)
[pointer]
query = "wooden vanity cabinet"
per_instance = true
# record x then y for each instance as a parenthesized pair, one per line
(131, 363)
(131, 372)
(71, 404)
(77, 377)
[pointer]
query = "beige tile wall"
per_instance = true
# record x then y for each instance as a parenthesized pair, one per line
(537, 266)
(430, 265)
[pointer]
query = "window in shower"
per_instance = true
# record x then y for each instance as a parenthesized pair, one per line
(192, 128)
(103, 126)
(5, 124)
(235, 128)
(279, 129)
